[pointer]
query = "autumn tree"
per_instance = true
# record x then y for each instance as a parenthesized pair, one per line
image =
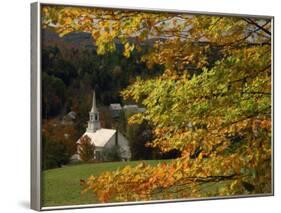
(215, 92)
(86, 149)
(58, 143)
(55, 154)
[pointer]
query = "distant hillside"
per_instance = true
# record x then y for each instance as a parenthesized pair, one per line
(76, 40)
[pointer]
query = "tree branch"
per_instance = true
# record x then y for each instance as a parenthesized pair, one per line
(250, 21)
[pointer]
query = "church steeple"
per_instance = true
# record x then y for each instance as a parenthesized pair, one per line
(94, 105)
(94, 121)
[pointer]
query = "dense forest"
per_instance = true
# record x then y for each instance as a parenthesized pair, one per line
(69, 76)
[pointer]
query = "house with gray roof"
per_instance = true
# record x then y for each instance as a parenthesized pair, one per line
(115, 110)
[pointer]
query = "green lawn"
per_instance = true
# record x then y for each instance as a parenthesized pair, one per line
(61, 186)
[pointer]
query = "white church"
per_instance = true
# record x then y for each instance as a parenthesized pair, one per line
(104, 138)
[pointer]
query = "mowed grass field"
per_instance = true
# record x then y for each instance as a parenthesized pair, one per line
(61, 186)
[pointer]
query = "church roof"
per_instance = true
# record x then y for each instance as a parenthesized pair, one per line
(115, 106)
(100, 137)
(131, 106)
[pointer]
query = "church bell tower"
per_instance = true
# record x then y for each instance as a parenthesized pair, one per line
(94, 120)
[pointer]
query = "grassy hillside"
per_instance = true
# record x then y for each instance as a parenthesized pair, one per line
(61, 186)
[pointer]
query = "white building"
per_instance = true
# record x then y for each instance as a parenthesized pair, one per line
(104, 139)
(115, 110)
(132, 109)
(69, 118)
